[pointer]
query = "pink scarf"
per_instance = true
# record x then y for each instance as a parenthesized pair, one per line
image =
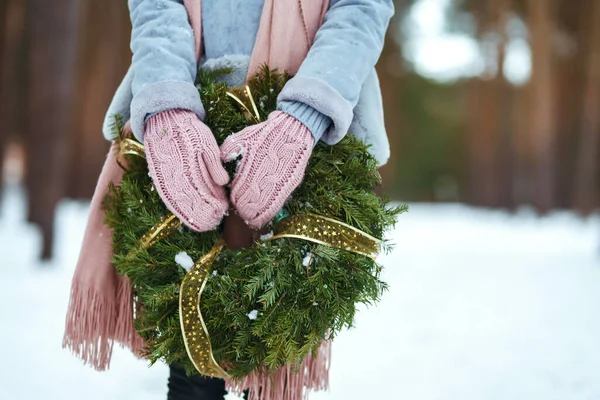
(286, 32)
(100, 310)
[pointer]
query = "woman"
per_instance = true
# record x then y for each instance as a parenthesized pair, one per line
(329, 46)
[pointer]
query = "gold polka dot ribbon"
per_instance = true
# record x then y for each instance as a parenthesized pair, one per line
(313, 228)
(246, 94)
(130, 146)
(162, 229)
(195, 334)
(328, 232)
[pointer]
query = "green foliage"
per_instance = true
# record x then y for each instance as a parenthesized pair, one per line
(297, 306)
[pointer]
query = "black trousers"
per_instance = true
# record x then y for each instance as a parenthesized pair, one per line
(196, 387)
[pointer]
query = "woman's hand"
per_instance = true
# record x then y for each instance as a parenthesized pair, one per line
(184, 163)
(275, 154)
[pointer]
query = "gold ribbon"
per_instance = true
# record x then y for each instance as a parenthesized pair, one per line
(247, 93)
(164, 228)
(328, 232)
(129, 146)
(195, 334)
(313, 228)
(193, 328)
(309, 227)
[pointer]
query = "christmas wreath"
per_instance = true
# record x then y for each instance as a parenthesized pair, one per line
(275, 302)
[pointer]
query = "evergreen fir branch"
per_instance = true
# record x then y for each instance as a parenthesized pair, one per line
(116, 127)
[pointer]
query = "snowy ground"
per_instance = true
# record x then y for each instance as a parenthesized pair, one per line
(482, 305)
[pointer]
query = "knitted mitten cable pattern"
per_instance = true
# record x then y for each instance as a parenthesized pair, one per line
(183, 159)
(275, 154)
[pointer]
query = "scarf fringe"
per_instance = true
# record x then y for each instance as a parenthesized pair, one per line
(95, 321)
(125, 333)
(287, 383)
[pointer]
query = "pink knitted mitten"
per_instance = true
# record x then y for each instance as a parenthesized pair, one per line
(275, 155)
(183, 159)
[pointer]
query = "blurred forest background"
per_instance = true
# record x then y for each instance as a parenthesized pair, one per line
(493, 103)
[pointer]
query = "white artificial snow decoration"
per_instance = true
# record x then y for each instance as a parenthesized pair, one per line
(315, 303)
(234, 155)
(266, 236)
(215, 273)
(184, 260)
(152, 188)
(141, 201)
(128, 209)
(253, 314)
(307, 259)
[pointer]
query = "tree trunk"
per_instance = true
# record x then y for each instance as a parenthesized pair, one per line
(12, 75)
(3, 133)
(389, 70)
(104, 57)
(522, 178)
(3, 39)
(12, 69)
(53, 31)
(586, 176)
(482, 143)
(542, 123)
(490, 149)
(504, 92)
(570, 74)
(478, 131)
